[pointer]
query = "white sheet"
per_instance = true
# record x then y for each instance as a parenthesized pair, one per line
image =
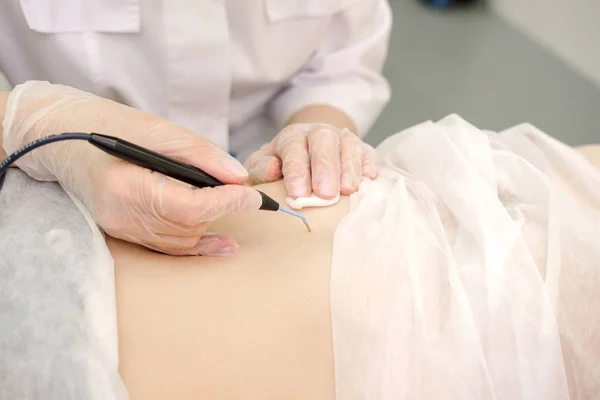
(470, 270)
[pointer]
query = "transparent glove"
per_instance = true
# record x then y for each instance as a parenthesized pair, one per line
(315, 158)
(127, 201)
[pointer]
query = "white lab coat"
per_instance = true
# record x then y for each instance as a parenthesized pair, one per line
(232, 71)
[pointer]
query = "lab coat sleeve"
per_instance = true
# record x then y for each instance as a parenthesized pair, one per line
(345, 72)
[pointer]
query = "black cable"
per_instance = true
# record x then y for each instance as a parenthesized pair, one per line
(34, 145)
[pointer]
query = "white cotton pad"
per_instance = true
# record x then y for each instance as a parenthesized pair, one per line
(312, 201)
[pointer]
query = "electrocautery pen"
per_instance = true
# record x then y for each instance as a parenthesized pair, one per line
(172, 168)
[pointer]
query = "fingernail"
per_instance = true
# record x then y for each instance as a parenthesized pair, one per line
(226, 251)
(346, 180)
(297, 192)
(234, 167)
(326, 189)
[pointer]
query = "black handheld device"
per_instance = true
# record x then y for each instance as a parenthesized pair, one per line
(142, 157)
(165, 165)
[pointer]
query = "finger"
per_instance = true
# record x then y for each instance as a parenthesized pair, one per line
(155, 203)
(263, 166)
(187, 206)
(370, 168)
(324, 147)
(216, 246)
(173, 245)
(171, 236)
(203, 154)
(172, 228)
(291, 147)
(209, 244)
(351, 150)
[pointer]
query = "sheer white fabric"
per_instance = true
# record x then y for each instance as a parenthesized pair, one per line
(470, 270)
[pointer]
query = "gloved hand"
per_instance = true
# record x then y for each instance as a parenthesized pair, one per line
(127, 201)
(314, 157)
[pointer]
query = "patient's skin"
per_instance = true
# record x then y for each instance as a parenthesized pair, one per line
(253, 326)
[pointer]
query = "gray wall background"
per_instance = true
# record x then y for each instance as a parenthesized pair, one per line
(470, 62)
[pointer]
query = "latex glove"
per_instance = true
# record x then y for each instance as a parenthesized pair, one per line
(127, 201)
(315, 158)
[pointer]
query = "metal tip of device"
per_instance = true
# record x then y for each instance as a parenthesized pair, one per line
(295, 214)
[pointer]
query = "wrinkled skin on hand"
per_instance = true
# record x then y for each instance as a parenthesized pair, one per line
(126, 201)
(315, 158)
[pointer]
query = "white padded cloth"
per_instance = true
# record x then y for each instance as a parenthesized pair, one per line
(470, 270)
(58, 317)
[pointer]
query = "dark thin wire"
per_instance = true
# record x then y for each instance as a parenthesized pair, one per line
(34, 145)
